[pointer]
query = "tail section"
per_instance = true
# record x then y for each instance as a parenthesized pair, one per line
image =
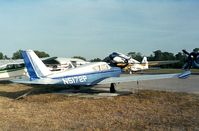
(185, 74)
(145, 63)
(35, 67)
(144, 60)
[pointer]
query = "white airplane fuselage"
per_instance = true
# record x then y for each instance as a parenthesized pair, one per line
(86, 75)
(11, 74)
(138, 67)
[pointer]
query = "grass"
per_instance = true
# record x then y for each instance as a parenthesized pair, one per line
(146, 110)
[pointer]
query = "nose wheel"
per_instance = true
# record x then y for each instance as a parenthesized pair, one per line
(112, 88)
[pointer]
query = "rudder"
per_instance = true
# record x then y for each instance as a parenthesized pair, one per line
(35, 67)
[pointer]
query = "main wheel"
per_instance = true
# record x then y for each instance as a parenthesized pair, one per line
(112, 88)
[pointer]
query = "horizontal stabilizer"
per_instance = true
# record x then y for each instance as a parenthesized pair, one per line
(185, 74)
(45, 81)
(158, 63)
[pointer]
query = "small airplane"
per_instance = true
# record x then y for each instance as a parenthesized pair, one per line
(130, 65)
(144, 65)
(10, 69)
(86, 75)
(192, 60)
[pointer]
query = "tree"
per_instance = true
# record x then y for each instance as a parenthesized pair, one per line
(182, 58)
(167, 56)
(96, 60)
(150, 58)
(17, 55)
(161, 56)
(138, 56)
(1, 55)
(157, 55)
(40, 54)
(196, 50)
(79, 57)
(132, 54)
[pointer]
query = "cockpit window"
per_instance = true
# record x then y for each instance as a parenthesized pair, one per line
(101, 67)
(96, 68)
(70, 66)
(104, 67)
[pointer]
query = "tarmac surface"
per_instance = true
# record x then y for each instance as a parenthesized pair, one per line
(189, 85)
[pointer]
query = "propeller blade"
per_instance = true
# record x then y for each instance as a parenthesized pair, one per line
(185, 52)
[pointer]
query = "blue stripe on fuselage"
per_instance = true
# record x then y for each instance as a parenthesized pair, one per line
(29, 66)
(89, 79)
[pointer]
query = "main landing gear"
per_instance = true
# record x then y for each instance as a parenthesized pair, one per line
(112, 88)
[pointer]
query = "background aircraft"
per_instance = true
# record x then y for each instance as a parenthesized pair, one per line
(10, 69)
(192, 60)
(85, 75)
(131, 65)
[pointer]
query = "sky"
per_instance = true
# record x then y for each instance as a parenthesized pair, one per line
(96, 28)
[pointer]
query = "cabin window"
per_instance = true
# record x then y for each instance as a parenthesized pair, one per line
(14, 66)
(70, 66)
(101, 67)
(74, 63)
(104, 67)
(96, 68)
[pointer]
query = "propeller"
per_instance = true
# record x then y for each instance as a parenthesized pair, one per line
(191, 58)
(185, 52)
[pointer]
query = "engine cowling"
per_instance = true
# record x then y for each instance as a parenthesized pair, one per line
(192, 60)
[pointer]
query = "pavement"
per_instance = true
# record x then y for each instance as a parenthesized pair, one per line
(189, 85)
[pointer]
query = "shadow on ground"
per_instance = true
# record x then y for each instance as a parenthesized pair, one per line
(60, 90)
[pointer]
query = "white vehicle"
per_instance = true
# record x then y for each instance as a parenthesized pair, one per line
(10, 69)
(130, 65)
(144, 65)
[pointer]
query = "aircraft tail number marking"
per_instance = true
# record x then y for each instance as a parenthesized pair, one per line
(75, 79)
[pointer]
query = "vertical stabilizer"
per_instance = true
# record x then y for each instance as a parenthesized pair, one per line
(35, 67)
(145, 62)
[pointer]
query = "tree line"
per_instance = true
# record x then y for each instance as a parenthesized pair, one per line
(157, 55)
(17, 55)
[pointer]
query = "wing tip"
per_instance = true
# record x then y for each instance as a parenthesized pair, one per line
(185, 74)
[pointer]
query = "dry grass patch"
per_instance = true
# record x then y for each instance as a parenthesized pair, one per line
(153, 110)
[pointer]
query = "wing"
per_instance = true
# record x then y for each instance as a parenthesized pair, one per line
(4, 63)
(144, 77)
(156, 63)
(48, 59)
(44, 81)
